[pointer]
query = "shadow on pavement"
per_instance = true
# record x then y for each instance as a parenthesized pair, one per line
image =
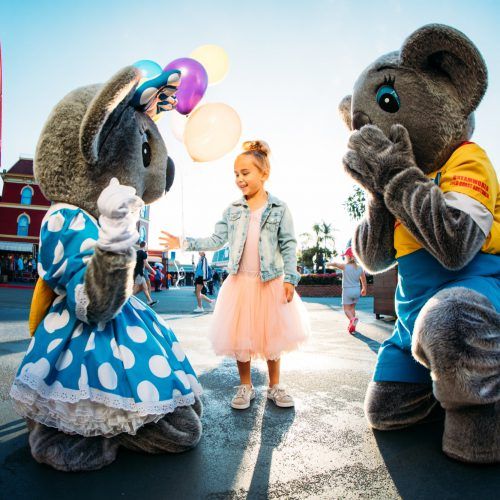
(275, 424)
(372, 344)
(419, 469)
(14, 346)
(208, 471)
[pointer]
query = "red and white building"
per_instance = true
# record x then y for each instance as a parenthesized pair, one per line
(22, 208)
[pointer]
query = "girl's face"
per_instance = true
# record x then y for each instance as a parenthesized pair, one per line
(248, 177)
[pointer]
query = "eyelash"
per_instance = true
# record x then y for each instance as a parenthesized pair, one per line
(389, 80)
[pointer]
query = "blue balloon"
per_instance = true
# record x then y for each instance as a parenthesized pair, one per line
(149, 69)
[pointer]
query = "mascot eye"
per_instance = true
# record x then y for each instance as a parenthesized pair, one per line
(146, 154)
(388, 99)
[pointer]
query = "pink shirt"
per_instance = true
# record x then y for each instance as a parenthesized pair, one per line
(250, 261)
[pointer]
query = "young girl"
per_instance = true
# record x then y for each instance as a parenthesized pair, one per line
(258, 314)
(352, 273)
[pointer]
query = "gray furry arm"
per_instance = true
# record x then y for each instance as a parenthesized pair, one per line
(108, 283)
(449, 234)
(374, 237)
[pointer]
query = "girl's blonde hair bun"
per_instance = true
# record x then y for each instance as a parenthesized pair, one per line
(261, 147)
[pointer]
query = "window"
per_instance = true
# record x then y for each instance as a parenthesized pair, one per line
(23, 223)
(26, 195)
(142, 233)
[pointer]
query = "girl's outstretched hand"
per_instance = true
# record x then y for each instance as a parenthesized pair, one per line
(289, 291)
(169, 241)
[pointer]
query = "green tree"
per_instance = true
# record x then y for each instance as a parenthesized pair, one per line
(355, 204)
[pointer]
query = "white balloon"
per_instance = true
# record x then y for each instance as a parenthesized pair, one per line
(214, 59)
(212, 131)
(178, 125)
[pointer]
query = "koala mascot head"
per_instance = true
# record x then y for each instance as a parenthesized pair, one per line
(94, 134)
(433, 208)
(103, 371)
(431, 86)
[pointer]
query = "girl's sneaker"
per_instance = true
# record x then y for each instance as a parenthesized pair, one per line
(352, 325)
(277, 393)
(243, 396)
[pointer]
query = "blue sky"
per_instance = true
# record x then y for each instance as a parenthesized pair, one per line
(290, 64)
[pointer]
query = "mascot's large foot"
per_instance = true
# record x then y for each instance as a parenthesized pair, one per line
(176, 432)
(67, 452)
(473, 434)
(457, 335)
(395, 405)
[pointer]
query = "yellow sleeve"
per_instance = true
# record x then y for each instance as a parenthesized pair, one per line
(470, 172)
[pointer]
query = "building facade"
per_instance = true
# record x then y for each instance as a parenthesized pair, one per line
(22, 208)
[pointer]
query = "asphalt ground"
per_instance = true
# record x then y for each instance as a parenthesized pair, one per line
(322, 448)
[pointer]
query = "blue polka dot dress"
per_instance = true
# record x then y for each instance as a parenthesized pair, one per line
(96, 379)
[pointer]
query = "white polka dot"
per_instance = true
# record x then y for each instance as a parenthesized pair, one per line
(114, 349)
(159, 366)
(147, 391)
(53, 344)
(101, 326)
(65, 359)
(39, 369)
(137, 303)
(137, 334)
(83, 381)
(32, 344)
(127, 356)
(56, 386)
(91, 342)
(87, 244)
(41, 271)
(136, 314)
(56, 321)
(157, 329)
(61, 269)
(55, 222)
(78, 223)
(176, 394)
(183, 378)
(59, 299)
(58, 253)
(179, 353)
(77, 331)
(193, 382)
(107, 376)
(162, 349)
(161, 321)
(86, 258)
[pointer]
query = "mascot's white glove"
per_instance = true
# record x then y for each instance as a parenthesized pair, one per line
(120, 209)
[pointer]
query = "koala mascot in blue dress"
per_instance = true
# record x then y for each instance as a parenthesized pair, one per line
(103, 370)
(434, 210)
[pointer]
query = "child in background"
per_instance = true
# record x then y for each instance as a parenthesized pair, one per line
(352, 274)
(258, 314)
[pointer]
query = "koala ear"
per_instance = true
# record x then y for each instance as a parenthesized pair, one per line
(108, 103)
(445, 50)
(345, 110)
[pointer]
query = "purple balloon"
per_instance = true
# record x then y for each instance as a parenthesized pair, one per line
(194, 81)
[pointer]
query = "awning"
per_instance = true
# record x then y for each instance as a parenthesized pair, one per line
(16, 246)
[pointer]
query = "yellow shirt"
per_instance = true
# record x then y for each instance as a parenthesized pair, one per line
(468, 172)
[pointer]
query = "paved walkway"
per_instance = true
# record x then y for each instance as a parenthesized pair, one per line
(321, 449)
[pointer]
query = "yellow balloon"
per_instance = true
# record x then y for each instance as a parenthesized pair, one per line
(214, 59)
(212, 130)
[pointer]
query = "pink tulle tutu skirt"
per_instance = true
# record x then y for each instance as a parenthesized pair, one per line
(253, 320)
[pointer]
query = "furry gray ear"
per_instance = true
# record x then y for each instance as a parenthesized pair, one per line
(111, 100)
(345, 110)
(445, 50)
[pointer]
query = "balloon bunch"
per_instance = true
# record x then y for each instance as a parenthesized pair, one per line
(208, 131)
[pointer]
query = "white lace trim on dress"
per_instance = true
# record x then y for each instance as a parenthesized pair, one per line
(89, 412)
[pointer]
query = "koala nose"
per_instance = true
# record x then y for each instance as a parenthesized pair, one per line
(359, 119)
(170, 174)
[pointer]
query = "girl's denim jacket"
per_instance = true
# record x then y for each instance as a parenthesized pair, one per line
(277, 243)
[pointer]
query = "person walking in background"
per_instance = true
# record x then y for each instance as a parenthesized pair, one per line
(258, 314)
(158, 276)
(352, 274)
(140, 283)
(201, 276)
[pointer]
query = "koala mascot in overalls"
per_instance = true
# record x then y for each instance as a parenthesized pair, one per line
(103, 370)
(434, 210)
